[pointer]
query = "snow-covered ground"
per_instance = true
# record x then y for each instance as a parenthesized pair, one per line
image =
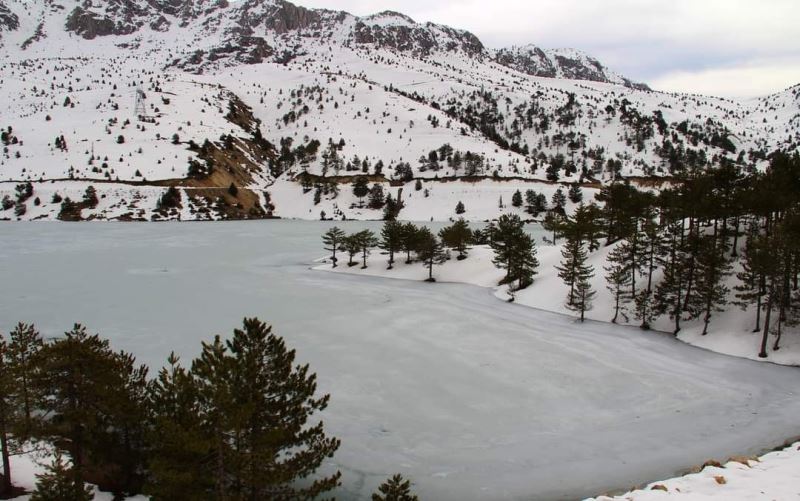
(32, 462)
(774, 476)
(471, 397)
(730, 332)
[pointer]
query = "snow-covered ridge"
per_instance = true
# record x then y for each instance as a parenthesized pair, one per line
(408, 104)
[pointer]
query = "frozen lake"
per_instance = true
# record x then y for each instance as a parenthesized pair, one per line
(470, 397)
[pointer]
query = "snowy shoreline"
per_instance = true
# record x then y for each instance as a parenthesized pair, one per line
(774, 474)
(729, 334)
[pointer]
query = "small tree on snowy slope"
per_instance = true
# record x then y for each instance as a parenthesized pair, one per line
(572, 257)
(333, 241)
(457, 236)
(366, 240)
(525, 262)
(429, 250)
(56, 484)
(618, 278)
(409, 239)
(391, 239)
(395, 489)
(352, 246)
(752, 281)
(713, 266)
(360, 189)
(670, 291)
(584, 295)
(505, 238)
(516, 199)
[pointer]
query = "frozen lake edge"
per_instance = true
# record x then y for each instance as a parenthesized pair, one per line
(419, 383)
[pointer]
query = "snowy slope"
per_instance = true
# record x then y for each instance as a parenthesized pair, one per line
(385, 89)
(730, 332)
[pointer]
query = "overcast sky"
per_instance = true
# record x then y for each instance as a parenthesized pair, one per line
(734, 48)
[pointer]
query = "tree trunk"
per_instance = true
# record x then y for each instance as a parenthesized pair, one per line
(763, 352)
(758, 313)
(777, 345)
(220, 480)
(6, 488)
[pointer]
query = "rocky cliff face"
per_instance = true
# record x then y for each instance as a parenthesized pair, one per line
(560, 63)
(392, 30)
(253, 31)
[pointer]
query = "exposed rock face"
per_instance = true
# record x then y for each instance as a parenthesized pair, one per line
(288, 17)
(8, 20)
(533, 62)
(116, 17)
(246, 25)
(560, 63)
(391, 30)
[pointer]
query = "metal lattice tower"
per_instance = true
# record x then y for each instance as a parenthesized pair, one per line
(141, 105)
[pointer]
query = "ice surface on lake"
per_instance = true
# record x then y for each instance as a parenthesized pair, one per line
(470, 397)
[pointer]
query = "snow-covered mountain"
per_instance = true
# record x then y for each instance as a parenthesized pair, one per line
(261, 107)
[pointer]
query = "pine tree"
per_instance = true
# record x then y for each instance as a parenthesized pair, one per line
(376, 197)
(429, 250)
(525, 262)
(670, 292)
(23, 350)
(752, 281)
(457, 236)
(272, 403)
(530, 203)
(352, 245)
(366, 240)
(395, 489)
(7, 413)
(505, 238)
(57, 484)
(713, 266)
(333, 241)
(645, 309)
(391, 239)
(213, 372)
(75, 373)
(618, 278)
(122, 448)
(179, 446)
(569, 269)
(575, 193)
(409, 239)
(460, 209)
(90, 197)
(577, 274)
(360, 189)
(516, 199)
(553, 222)
(559, 201)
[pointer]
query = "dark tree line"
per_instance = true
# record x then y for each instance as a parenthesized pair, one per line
(237, 423)
(691, 234)
(515, 250)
